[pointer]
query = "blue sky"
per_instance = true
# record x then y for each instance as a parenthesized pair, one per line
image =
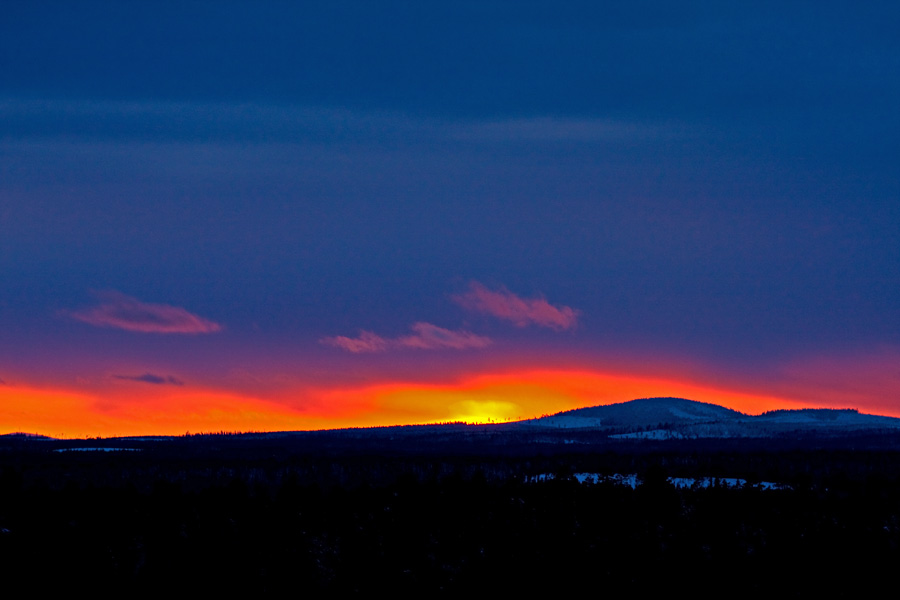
(705, 183)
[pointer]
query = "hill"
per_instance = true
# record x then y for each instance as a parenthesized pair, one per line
(679, 418)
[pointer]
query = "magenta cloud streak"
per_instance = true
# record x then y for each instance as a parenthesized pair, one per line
(504, 304)
(425, 337)
(366, 342)
(124, 312)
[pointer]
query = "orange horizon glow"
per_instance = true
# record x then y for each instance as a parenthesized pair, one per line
(484, 398)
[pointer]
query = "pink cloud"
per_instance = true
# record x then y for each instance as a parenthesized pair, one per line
(124, 312)
(428, 336)
(425, 336)
(366, 342)
(521, 311)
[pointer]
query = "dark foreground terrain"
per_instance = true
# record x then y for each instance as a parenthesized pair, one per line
(450, 509)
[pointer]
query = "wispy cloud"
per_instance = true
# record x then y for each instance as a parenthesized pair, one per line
(552, 129)
(124, 312)
(256, 121)
(151, 378)
(504, 304)
(365, 342)
(206, 121)
(429, 337)
(425, 336)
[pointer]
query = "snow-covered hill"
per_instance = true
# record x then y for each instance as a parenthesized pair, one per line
(678, 418)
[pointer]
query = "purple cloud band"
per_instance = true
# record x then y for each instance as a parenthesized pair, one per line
(124, 312)
(504, 304)
(425, 336)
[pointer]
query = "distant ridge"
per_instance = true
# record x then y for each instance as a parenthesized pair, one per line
(18, 435)
(679, 418)
(640, 413)
(643, 418)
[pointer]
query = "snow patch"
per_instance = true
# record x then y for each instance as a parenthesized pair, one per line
(653, 434)
(97, 450)
(633, 481)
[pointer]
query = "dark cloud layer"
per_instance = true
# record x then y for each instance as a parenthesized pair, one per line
(466, 56)
(152, 379)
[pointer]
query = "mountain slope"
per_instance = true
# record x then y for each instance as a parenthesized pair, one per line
(641, 413)
(678, 418)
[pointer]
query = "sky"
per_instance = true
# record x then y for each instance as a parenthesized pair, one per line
(243, 216)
